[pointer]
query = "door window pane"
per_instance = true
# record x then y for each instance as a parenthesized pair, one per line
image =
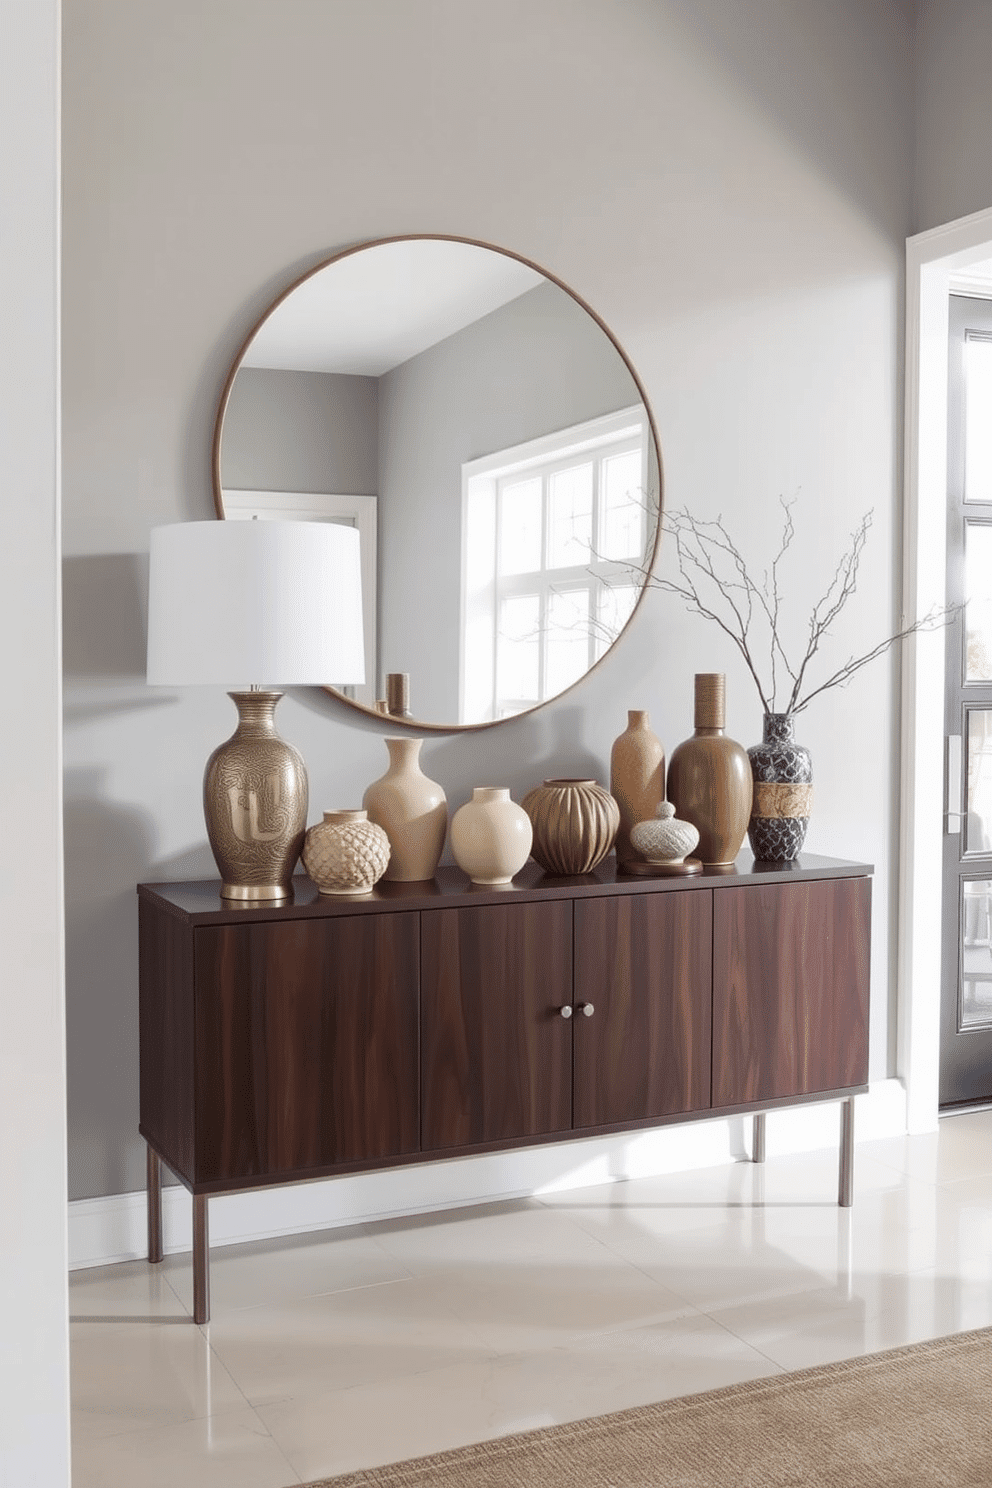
(977, 418)
(975, 1005)
(978, 827)
(570, 517)
(978, 596)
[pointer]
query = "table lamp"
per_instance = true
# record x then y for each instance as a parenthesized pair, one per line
(264, 602)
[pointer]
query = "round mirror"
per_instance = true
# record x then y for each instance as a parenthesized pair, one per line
(492, 443)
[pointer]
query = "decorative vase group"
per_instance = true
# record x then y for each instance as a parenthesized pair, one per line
(575, 823)
(411, 810)
(709, 778)
(783, 792)
(346, 853)
(717, 793)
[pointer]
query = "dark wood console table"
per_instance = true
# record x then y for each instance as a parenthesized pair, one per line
(326, 1036)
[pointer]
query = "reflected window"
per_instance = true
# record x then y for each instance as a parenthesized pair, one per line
(552, 530)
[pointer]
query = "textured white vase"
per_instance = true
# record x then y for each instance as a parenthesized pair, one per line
(491, 836)
(665, 839)
(346, 853)
(411, 810)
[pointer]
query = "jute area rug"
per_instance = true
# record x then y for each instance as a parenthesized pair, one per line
(913, 1416)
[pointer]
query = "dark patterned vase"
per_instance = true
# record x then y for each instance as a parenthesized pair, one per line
(783, 792)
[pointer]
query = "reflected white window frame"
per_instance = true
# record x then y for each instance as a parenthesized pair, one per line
(319, 506)
(483, 588)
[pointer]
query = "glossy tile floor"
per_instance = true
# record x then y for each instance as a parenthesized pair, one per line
(355, 1347)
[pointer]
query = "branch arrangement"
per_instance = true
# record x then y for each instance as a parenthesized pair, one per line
(714, 581)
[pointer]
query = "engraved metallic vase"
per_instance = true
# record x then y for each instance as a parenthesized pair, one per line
(783, 792)
(255, 803)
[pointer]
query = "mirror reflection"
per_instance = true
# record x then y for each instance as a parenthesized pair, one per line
(490, 441)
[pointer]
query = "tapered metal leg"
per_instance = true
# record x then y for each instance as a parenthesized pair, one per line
(201, 1260)
(845, 1197)
(153, 1185)
(758, 1139)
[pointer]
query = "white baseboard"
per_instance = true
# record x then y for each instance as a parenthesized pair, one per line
(106, 1230)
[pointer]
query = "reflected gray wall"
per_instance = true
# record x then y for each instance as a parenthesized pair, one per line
(537, 364)
(301, 431)
(732, 195)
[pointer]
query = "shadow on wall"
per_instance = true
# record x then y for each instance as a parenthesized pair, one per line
(104, 604)
(108, 850)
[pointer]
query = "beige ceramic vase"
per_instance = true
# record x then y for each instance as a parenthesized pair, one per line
(709, 778)
(346, 853)
(491, 836)
(574, 821)
(412, 811)
(637, 779)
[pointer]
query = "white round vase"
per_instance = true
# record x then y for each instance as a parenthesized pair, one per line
(665, 839)
(491, 836)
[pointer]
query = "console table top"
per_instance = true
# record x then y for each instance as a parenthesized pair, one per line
(199, 901)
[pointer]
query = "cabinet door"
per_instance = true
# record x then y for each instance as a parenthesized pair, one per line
(644, 963)
(790, 989)
(497, 1054)
(307, 1050)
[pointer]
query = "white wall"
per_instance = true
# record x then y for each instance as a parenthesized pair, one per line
(728, 184)
(953, 110)
(34, 1444)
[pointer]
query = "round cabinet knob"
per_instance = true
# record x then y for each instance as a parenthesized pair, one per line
(587, 1009)
(566, 1011)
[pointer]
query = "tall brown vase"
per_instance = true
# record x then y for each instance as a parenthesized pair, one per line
(637, 779)
(709, 778)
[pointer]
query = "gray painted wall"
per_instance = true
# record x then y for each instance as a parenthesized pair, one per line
(728, 184)
(301, 431)
(537, 364)
(953, 110)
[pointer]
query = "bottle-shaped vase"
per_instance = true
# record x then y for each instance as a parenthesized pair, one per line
(412, 811)
(637, 779)
(709, 778)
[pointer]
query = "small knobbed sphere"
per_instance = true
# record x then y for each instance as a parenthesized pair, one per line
(665, 839)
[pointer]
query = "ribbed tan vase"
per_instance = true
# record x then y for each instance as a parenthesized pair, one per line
(637, 779)
(412, 811)
(709, 778)
(574, 821)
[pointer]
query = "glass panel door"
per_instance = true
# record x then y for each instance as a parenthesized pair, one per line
(966, 990)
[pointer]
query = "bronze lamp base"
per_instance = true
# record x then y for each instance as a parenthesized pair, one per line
(255, 800)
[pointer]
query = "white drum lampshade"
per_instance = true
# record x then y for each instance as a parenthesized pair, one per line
(254, 602)
(231, 603)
